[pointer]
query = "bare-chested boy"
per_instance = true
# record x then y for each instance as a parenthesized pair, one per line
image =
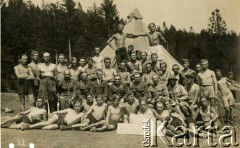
(24, 76)
(114, 115)
(60, 68)
(32, 115)
(154, 39)
(120, 47)
(94, 116)
(33, 65)
(226, 96)
(98, 59)
(208, 83)
(130, 107)
(75, 72)
(58, 119)
(134, 65)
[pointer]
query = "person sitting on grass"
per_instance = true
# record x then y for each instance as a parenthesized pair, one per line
(94, 116)
(114, 115)
(88, 103)
(30, 116)
(131, 106)
(57, 119)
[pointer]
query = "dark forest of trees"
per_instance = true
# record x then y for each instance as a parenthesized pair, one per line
(27, 27)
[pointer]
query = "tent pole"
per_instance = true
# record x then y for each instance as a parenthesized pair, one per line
(69, 48)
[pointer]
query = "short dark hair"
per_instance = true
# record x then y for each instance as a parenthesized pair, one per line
(151, 24)
(107, 58)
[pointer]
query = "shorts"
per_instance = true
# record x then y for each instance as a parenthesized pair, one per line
(60, 120)
(228, 100)
(26, 120)
(113, 122)
(24, 87)
(190, 120)
(121, 55)
(207, 91)
(176, 122)
(92, 119)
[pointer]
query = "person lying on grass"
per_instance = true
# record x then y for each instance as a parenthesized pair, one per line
(93, 116)
(56, 119)
(30, 116)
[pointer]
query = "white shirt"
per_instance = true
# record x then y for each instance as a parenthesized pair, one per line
(98, 62)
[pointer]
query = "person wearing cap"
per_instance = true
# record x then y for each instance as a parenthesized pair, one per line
(33, 65)
(178, 94)
(164, 75)
(134, 65)
(118, 88)
(98, 59)
(47, 75)
(177, 91)
(157, 90)
(24, 78)
(226, 96)
(60, 68)
(186, 70)
(138, 88)
(125, 75)
(130, 107)
(67, 90)
(208, 83)
(193, 90)
(147, 76)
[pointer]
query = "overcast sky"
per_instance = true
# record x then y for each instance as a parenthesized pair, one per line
(181, 13)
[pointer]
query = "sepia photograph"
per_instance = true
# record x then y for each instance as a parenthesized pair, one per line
(120, 73)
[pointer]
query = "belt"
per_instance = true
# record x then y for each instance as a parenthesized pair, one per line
(48, 77)
(205, 85)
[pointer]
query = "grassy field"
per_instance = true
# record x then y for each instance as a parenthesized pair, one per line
(73, 139)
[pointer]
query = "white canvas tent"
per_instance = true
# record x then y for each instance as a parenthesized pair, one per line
(136, 26)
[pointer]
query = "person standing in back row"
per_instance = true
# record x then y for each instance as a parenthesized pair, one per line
(24, 75)
(120, 47)
(33, 65)
(47, 88)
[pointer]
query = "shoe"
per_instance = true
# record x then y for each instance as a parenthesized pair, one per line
(93, 129)
(25, 127)
(65, 127)
(8, 110)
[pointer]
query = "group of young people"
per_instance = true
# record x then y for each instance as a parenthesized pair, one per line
(92, 95)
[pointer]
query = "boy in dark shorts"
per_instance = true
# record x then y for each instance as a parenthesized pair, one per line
(31, 116)
(24, 76)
